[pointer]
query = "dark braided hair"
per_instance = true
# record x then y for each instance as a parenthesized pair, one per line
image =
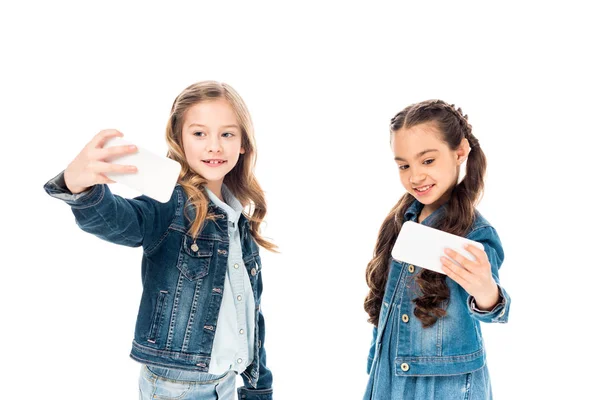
(458, 218)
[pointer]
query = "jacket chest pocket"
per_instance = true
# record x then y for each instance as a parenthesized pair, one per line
(194, 257)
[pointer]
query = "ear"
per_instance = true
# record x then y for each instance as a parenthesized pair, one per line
(242, 150)
(462, 153)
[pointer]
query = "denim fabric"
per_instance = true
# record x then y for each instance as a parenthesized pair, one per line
(157, 383)
(453, 346)
(182, 276)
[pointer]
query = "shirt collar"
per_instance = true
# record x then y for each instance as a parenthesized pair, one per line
(415, 208)
(232, 207)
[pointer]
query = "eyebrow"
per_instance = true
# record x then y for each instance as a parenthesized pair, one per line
(204, 126)
(418, 155)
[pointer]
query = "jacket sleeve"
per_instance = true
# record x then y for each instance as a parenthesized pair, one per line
(263, 390)
(130, 222)
(372, 350)
(488, 236)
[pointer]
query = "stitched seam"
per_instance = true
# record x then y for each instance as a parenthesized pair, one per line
(465, 357)
(171, 354)
(155, 245)
(174, 312)
(111, 227)
(188, 330)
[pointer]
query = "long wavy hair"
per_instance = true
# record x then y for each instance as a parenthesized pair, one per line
(240, 180)
(459, 212)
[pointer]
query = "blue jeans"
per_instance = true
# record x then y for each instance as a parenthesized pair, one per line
(159, 383)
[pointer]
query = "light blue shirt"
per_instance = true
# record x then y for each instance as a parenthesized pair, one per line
(234, 336)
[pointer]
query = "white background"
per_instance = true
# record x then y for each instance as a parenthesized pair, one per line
(321, 82)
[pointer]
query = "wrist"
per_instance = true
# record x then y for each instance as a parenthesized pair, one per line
(489, 300)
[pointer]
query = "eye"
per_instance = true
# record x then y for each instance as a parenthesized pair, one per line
(427, 162)
(402, 167)
(227, 134)
(199, 134)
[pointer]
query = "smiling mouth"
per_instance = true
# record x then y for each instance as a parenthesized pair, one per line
(214, 162)
(423, 188)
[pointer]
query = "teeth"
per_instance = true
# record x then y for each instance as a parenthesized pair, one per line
(423, 189)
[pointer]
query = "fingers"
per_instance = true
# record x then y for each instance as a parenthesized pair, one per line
(455, 272)
(102, 136)
(111, 153)
(465, 262)
(479, 254)
(105, 179)
(100, 167)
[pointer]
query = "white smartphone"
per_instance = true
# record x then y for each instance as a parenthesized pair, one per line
(423, 246)
(156, 176)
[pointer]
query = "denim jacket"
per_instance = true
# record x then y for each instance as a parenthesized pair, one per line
(182, 277)
(453, 345)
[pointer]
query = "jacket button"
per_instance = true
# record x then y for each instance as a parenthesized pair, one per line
(194, 247)
(239, 360)
(404, 318)
(404, 367)
(253, 271)
(239, 297)
(236, 266)
(411, 268)
(502, 312)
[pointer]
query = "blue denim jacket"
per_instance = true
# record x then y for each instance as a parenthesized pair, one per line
(453, 345)
(182, 278)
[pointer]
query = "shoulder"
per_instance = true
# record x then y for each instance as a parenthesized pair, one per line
(482, 231)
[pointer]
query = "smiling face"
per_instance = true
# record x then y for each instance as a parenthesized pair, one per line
(212, 141)
(428, 166)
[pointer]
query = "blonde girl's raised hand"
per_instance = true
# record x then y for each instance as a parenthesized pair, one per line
(91, 165)
(474, 276)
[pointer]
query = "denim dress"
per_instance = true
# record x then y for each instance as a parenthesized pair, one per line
(447, 360)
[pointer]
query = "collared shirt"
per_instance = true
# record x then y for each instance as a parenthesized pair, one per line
(234, 336)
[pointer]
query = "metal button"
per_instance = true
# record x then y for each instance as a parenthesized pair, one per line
(194, 247)
(253, 271)
(404, 318)
(502, 312)
(239, 360)
(241, 331)
(411, 268)
(404, 367)
(239, 298)
(222, 251)
(236, 266)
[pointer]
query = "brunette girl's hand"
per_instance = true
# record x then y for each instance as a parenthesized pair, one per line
(90, 165)
(474, 276)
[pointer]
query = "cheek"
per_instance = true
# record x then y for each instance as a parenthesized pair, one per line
(191, 151)
(405, 180)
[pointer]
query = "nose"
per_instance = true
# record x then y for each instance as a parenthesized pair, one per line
(416, 176)
(214, 144)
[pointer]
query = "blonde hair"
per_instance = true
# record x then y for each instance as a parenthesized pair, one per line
(240, 180)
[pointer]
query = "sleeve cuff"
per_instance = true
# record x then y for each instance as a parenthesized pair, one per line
(57, 188)
(497, 314)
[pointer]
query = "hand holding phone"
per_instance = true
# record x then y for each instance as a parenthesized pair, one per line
(156, 175)
(90, 166)
(423, 246)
